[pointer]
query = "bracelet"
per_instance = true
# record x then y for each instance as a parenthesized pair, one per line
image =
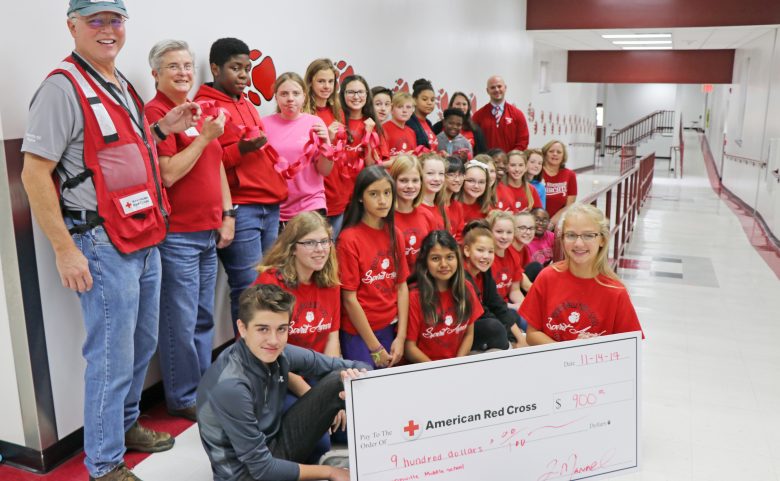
(158, 131)
(376, 355)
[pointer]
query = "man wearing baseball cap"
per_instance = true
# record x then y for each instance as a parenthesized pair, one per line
(104, 215)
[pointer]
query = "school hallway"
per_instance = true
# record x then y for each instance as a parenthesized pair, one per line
(709, 387)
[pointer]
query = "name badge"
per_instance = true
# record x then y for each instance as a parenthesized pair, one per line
(192, 132)
(136, 202)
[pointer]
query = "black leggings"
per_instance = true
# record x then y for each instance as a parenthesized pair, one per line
(532, 270)
(489, 333)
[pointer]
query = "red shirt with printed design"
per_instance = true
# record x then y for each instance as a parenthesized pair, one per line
(367, 267)
(558, 187)
(516, 199)
(316, 314)
(441, 340)
(340, 183)
(414, 226)
(399, 139)
(432, 140)
(196, 198)
(562, 305)
(506, 270)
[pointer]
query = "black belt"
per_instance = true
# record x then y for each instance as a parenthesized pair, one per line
(90, 218)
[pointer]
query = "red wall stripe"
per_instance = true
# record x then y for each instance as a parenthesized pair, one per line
(605, 14)
(651, 66)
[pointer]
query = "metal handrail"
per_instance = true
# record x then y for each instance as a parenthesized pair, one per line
(582, 144)
(658, 121)
(746, 160)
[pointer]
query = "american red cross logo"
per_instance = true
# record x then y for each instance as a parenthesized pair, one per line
(128, 205)
(411, 428)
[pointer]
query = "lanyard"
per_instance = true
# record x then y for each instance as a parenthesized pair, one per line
(111, 89)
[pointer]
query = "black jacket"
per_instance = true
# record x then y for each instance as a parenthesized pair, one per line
(492, 302)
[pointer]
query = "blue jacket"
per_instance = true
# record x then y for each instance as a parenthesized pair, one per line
(422, 137)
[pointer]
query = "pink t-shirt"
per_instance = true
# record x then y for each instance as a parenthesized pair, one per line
(541, 248)
(307, 188)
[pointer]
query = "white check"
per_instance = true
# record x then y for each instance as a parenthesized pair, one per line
(564, 411)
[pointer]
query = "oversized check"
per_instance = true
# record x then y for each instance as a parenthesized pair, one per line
(563, 411)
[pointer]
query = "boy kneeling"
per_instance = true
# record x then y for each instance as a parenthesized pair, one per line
(240, 398)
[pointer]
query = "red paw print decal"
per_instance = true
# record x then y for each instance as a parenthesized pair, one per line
(531, 113)
(345, 70)
(442, 102)
(401, 86)
(544, 129)
(536, 127)
(549, 117)
(262, 77)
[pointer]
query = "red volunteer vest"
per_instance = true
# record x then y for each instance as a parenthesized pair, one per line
(132, 205)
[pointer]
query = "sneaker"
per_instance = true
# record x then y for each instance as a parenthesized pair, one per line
(120, 473)
(139, 438)
(186, 413)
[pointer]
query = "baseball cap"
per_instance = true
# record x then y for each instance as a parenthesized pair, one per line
(88, 7)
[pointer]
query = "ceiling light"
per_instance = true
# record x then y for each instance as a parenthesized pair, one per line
(642, 42)
(638, 35)
(648, 48)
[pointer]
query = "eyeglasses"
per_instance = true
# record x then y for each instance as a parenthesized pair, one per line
(541, 221)
(98, 23)
(355, 93)
(586, 237)
(454, 175)
(524, 228)
(310, 245)
(476, 182)
(175, 67)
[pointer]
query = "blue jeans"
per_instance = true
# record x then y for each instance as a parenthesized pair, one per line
(257, 226)
(189, 277)
(120, 318)
(336, 222)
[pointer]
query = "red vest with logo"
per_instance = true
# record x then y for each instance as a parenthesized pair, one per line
(131, 203)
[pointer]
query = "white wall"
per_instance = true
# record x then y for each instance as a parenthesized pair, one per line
(565, 112)
(627, 103)
(750, 135)
(456, 44)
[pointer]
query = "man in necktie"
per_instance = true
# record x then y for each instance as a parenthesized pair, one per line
(503, 124)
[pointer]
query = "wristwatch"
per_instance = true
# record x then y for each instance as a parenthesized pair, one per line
(229, 213)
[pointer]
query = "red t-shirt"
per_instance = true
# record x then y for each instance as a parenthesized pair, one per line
(436, 213)
(414, 226)
(506, 270)
(252, 177)
(470, 137)
(523, 255)
(326, 114)
(455, 216)
(399, 139)
(340, 183)
(562, 305)
(196, 198)
(505, 197)
(432, 140)
(441, 340)
(316, 314)
(367, 267)
(558, 187)
(516, 198)
(471, 212)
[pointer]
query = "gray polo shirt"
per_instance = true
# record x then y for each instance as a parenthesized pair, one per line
(55, 131)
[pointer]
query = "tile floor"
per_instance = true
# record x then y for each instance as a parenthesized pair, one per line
(710, 309)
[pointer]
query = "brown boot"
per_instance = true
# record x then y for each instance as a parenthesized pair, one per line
(120, 473)
(139, 438)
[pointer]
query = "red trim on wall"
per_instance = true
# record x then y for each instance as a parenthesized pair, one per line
(652, 66)
(604, 14)
(756, 230)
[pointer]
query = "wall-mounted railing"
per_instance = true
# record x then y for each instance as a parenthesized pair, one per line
(660, 121)
(761, 164)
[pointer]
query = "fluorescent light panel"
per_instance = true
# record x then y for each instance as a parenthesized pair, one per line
(642, 42)
(637, 35)
(648, 48)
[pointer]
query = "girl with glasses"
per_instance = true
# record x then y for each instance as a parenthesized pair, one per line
(581, 296)
(474, 197)
(542, 246)
(525, 228)
(375, 299)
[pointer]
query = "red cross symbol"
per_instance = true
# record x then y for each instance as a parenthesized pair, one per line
(128, 205)
(411, 428)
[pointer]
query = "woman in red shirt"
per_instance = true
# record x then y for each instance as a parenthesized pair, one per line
(581, 296)
(374, 295)
(560, 182)
(443, 306)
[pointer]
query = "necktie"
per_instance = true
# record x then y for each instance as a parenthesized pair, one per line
(497, 114)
